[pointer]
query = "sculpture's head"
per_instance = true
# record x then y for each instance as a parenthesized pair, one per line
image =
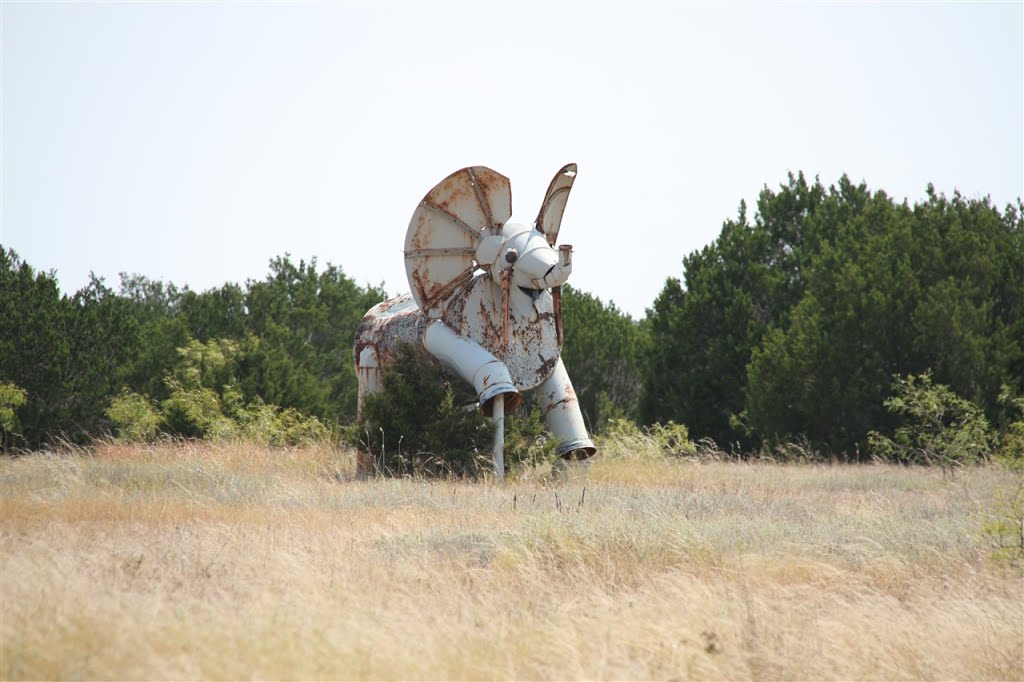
(535, 264)
(461, 227)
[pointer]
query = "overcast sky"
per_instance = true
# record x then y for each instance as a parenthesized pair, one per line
(194, 141)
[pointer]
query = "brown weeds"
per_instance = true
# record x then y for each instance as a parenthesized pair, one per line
(185, 560)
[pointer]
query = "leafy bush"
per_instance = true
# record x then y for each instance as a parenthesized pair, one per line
(1004, 526)
(205, 401)
(527, 441)
(1011, 440)
(135, 417)
(423, 422)
(941, 427)
(11, 398)
(195, 412)
(294, 428)
(624, 438)
(1004, 518)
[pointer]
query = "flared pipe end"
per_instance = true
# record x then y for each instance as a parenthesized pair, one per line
(579, 449)
(512, 398)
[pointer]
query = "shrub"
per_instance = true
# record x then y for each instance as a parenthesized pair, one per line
(11, 398)
(1004, 525)
(295, 428)
(201, 413)
(135, 417)
(623, 438)
(195, 412)
(527, 441)
(941, 427)
(206, 401)
(1011, 440)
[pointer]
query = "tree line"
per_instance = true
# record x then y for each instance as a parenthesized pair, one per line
(798, 323)
(795, 324)
(284, 342)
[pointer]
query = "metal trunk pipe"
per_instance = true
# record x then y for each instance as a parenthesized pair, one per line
(471, 361)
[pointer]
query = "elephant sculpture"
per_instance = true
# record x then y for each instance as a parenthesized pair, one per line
(485, 302)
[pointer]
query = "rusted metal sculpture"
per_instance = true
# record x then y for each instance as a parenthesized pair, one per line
(485, 302)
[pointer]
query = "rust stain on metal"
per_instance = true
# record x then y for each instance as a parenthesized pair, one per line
(547, 364)
(425, 287)
(439, 294)
(456, 251)
(488, 328)
(568, 397)
(454, 311)
(549, 217)
(468, 229)
(556, 300)
(506, 284)
(386, 327)
(570, 392)
(450, 193)
(488, 219)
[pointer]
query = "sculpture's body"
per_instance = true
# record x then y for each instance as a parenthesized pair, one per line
(485, 301)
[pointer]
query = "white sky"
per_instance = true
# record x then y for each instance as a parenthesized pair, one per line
(194, 141)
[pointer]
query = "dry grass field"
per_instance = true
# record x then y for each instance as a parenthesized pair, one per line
(184, 561)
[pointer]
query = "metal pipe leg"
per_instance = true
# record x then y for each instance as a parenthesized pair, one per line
(562, 413)
(473, 363)
(498, 414)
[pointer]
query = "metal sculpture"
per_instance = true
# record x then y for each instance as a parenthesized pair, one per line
(486, 302)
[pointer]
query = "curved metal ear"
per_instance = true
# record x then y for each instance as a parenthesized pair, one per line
(550, 217)
(440, 244)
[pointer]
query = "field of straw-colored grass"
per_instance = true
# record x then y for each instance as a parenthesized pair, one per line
(181, 561)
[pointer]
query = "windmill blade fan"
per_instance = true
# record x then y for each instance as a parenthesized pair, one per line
(440, 244)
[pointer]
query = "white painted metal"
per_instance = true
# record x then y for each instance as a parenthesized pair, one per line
(442, 238)
(369, 381)
(487, 374)
(531, 348)
(549, 220)
(562, 413)
(537, 265)
(498, 415)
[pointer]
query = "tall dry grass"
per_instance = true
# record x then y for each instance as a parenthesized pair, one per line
(183, 561)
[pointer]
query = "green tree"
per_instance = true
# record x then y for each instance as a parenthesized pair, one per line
(151, 298)
(704, 328)
(823, 370)
(162, 329)
(218, 313)
(1011, 437)
(603, 351)
(67, 353)
(103, 340)
(206, 401)
(202, 380)
(792, 326)
(894, 290)
(75, 355)
(306, 322)
(35, 349)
